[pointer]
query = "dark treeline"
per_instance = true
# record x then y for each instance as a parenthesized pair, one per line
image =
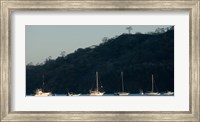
(137, 55)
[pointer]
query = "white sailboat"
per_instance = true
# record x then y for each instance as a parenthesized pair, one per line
(39, 92)
(152, 90)
(168, 93)
(122, 93)
(72, 94)
(96, 92)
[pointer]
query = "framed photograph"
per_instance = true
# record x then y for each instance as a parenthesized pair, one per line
(99, 60)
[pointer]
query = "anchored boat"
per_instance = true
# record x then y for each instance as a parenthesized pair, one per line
(96, 92)
(40, 92)
(152, 92)
(122, 93)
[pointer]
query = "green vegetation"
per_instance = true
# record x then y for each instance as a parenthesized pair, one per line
(137, 55)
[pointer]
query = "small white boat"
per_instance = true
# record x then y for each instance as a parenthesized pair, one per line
(39, 92)
(71, 94)
(96, 92)
(122, 93)
(152, 91)
(168, 93)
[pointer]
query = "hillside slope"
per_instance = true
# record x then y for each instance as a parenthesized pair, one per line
(137, 55)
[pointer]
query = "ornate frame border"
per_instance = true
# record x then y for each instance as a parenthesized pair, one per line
(8, 6)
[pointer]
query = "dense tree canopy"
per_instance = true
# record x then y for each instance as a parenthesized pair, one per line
(137, 55)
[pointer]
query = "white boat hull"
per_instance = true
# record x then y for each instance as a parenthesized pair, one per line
(44, 94)
(74, 94)
(39, 92)
(152, 93)
(169, 93)
(123, 93)
(96, 93)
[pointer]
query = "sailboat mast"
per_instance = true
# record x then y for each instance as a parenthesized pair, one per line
(152, 83)
(97, 81)
(122, 81)
(43, 82)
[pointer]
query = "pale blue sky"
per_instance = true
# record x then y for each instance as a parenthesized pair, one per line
(43, 41)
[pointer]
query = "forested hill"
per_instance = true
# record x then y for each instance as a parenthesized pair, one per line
(137, 55)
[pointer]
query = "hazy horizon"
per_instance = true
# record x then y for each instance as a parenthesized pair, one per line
(42, 41)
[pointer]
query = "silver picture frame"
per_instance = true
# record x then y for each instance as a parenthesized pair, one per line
(9, 6)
